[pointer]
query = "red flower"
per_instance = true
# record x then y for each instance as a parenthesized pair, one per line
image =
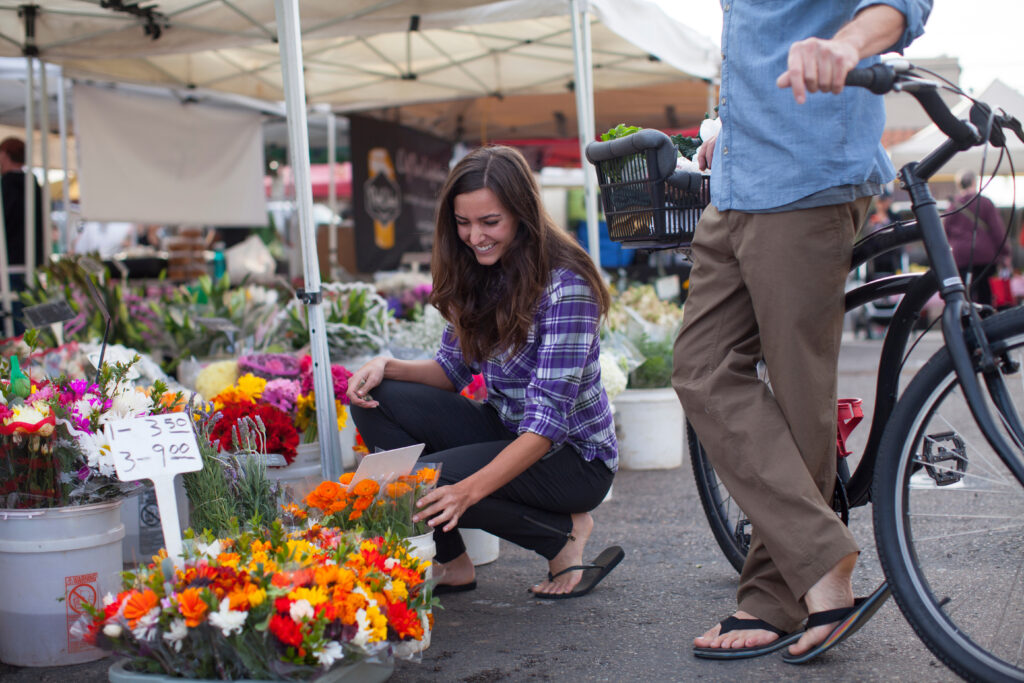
(282, 437)
(405, 621)
(286, 630)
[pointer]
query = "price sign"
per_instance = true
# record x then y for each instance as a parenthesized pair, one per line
(157, 447)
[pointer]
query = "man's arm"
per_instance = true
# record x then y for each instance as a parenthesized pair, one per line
(817, 65)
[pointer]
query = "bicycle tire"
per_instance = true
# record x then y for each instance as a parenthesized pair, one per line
(729, 525)
(943, 546)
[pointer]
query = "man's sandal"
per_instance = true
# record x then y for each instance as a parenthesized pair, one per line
(737, 624)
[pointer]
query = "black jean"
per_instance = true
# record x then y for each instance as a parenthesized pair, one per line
(533, 510)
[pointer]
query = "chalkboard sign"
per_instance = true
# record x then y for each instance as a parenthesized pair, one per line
(48, 313)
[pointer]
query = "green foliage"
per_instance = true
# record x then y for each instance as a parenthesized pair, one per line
(656, 370)
(357, 321)
(687, 146)
(619, 131)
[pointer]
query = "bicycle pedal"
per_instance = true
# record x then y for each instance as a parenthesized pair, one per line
(935, 461)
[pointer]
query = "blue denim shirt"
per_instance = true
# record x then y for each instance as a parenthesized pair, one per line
(772, 151)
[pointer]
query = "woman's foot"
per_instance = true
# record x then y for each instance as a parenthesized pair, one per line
(832, 591)
(735, 639)
(457, 572)
(570, 555)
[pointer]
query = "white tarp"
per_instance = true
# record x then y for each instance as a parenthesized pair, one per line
(149, 160)
(366, 54)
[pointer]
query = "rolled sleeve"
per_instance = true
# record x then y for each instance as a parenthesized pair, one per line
(916, 13)
(567, 331)
(449, 357)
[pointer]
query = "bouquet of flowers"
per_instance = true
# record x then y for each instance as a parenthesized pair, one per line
(243, 400)
(53, 451)
(266, 605)
(371, 506)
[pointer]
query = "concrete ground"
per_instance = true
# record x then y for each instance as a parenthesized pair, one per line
(639, 623)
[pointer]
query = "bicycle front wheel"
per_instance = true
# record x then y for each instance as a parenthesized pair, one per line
(949, 518)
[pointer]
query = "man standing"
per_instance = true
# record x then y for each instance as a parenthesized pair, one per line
(792, 176)
(12, 184)
(977, 235)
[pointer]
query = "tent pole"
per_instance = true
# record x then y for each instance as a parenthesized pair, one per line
(289, 37)
(585, 119)
(332, 192)
(62, 123)
(30, 195)
(44, 150)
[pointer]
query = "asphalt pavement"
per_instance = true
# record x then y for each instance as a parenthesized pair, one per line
(639, 623)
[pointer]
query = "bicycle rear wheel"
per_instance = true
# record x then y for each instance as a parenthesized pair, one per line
(729, 525)
(949, 518)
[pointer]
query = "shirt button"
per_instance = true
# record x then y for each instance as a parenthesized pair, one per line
(723, 56)
(726, 7)
(725, 151)
(723, 99)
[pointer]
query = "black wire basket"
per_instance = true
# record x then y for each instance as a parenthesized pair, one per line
(647, 203)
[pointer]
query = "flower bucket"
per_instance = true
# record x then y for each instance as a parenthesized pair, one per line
(649, 427)
(359, 672)
(482, 547)
(52, 560)
(132, 543)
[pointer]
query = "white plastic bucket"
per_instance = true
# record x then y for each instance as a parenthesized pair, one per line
(132, 543)
(303, 475)
(649, 427)
(52, 561)
(482, 547)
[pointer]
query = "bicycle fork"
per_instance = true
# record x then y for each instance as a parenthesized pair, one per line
(956, 327)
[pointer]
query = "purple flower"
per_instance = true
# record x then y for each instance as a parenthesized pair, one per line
(270, 365)
(282, 393)
(83, 473)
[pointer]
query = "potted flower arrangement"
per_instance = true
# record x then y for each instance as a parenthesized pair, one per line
(60, 524)
(640, 333)
(310, 604)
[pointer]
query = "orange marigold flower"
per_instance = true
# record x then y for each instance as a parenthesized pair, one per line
(362, 502)
(354, 515)
(427, 475)
(228, 560)
(192, 606)
(346, 478)
(366, 487)
(405, 621)
(138, 604)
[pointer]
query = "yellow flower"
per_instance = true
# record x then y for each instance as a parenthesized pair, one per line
(398, 592)
(216, 377)
(314, 595)
(342, 414)
(256, 597)
(228, 560)
(251, 386)
(378, 624)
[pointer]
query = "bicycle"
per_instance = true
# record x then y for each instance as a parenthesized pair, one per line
(941, 504)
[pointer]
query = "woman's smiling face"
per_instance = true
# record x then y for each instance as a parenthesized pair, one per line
(484, 225)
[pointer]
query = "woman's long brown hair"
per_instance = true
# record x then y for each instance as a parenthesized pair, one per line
(492, 307)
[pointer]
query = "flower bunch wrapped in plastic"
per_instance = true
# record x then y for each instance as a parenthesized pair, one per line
(270, 365)
(305, 409)
(53, 450)
(371, 506)
(266, 605)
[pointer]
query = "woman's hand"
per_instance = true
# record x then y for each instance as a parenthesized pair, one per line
(444, 505)
(364, 380)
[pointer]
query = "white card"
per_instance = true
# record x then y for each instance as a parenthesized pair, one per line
(157, 447)
(388, 464)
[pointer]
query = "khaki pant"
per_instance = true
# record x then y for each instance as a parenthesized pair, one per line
(771, 286)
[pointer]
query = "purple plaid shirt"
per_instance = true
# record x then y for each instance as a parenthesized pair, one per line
(552, 386)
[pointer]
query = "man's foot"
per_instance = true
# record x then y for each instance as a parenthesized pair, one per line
(735, 639)
(832, 591)
(457, 572)
(570, 555)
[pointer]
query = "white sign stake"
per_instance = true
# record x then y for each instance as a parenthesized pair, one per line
(157, 447)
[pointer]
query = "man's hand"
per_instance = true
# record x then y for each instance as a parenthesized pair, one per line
(706, 152)
(817, 65)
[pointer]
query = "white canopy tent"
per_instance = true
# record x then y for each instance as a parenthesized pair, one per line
(364, 54)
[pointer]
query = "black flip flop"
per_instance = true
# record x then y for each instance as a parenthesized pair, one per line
(593, 573)
(737, 624)
(850, 620)
(446, 588)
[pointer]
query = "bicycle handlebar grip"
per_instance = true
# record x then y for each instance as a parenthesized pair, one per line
(960, 132)
(638, 143)
(878, 78)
